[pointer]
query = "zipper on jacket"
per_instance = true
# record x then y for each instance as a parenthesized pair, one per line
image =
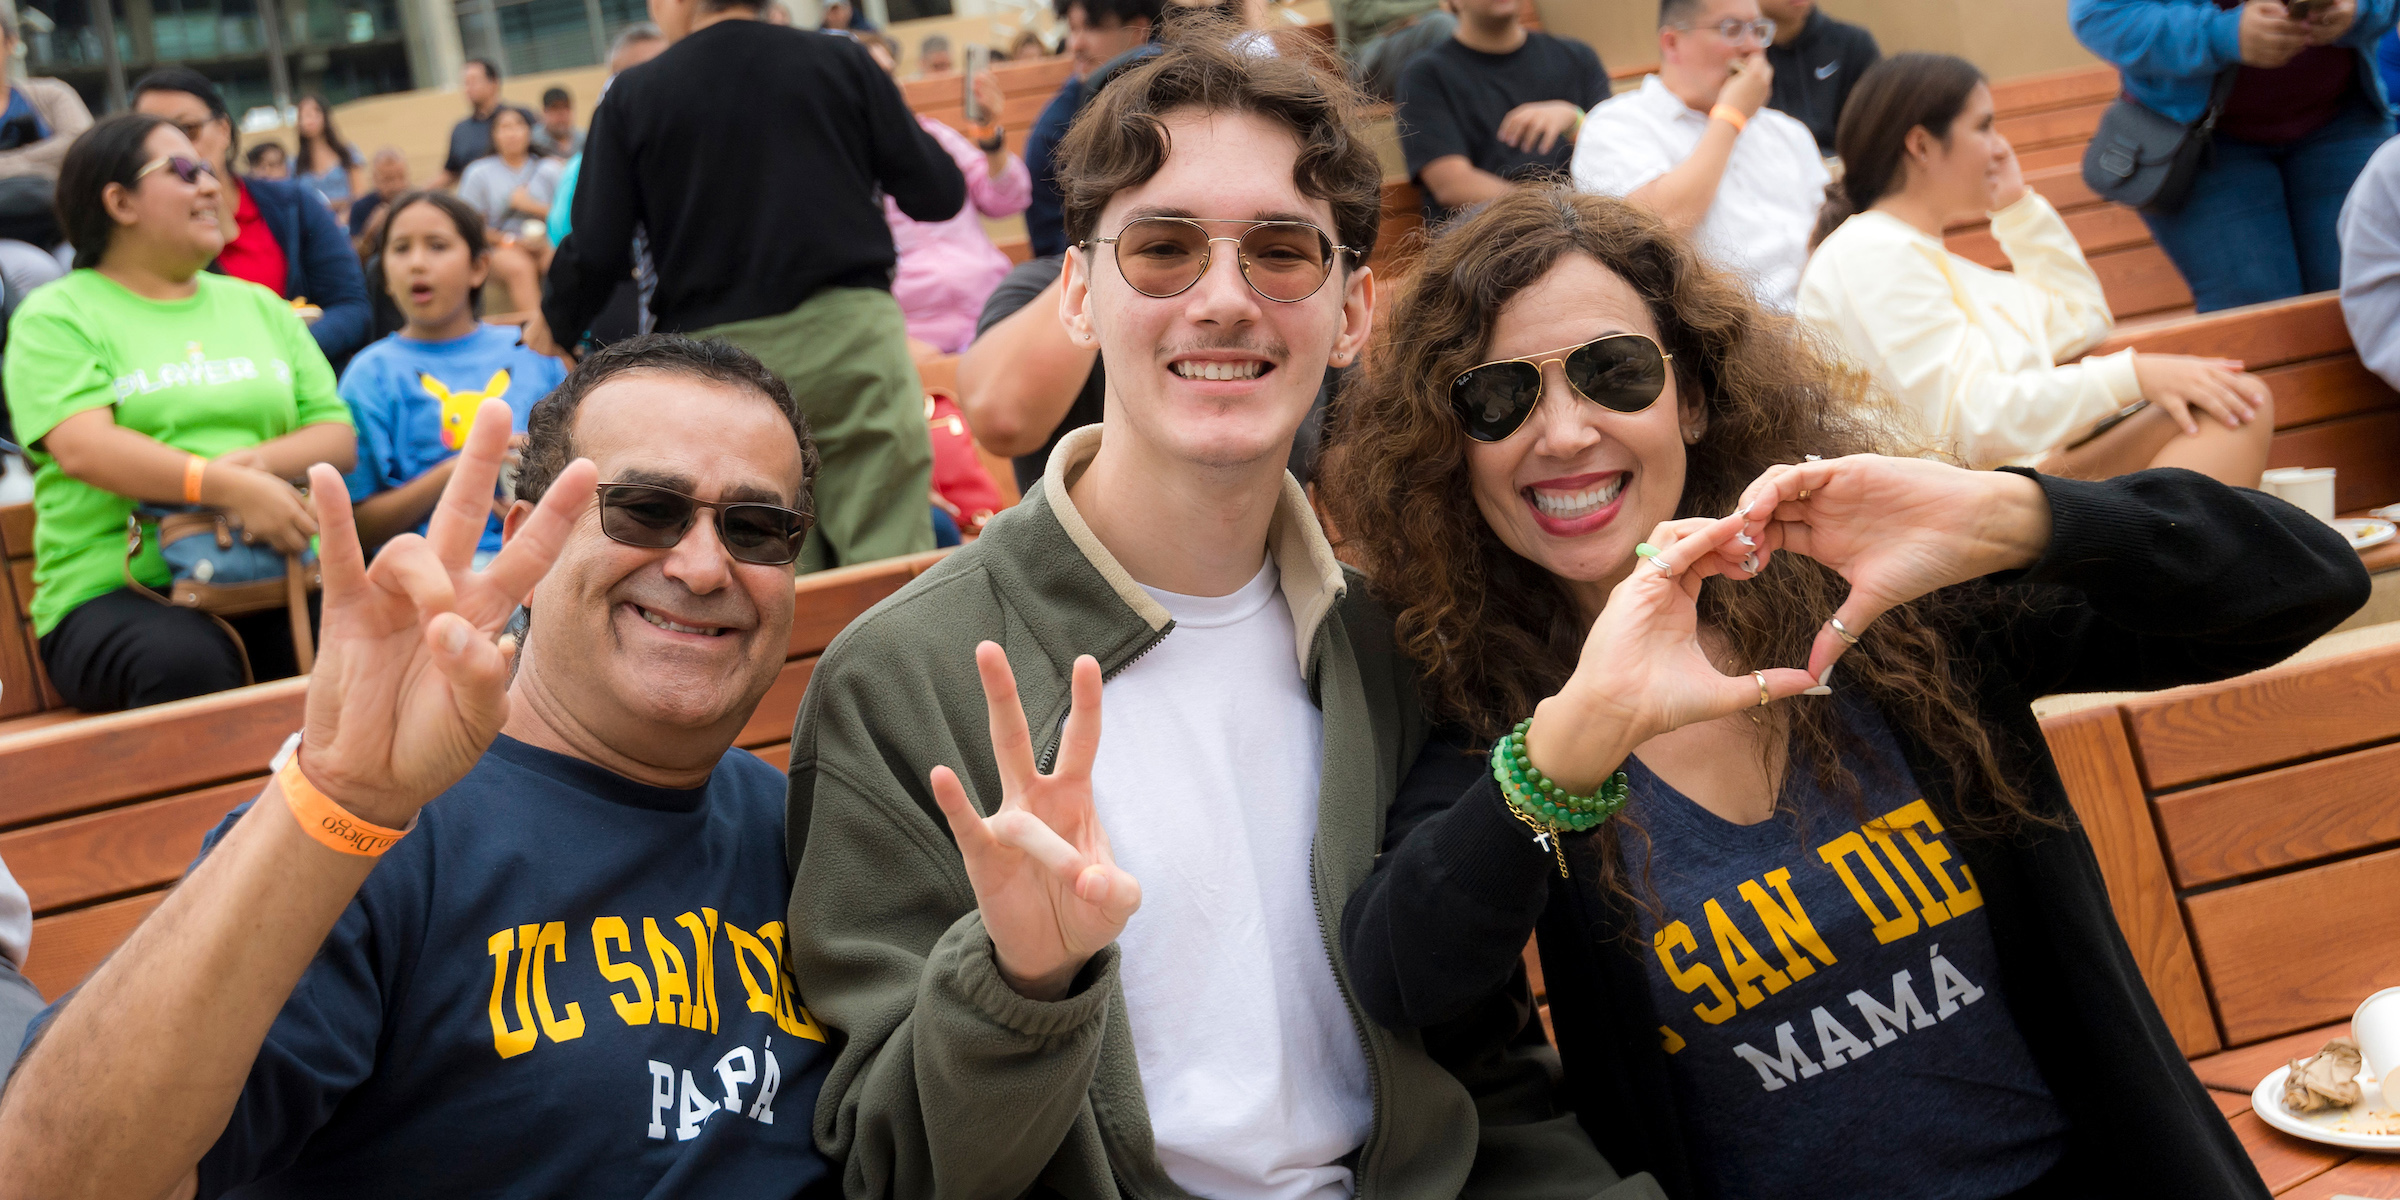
(1058, 732)
(1366, 1048)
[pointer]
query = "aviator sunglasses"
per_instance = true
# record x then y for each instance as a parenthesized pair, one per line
(1284, 261)
(1623, 372)
(656, 518)
(188, 170)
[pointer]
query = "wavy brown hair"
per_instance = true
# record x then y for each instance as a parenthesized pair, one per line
(1495, 633)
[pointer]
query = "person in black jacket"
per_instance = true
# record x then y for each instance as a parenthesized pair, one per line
(278, 233)
(769, 233)
(1844, 936)
(1817, 61)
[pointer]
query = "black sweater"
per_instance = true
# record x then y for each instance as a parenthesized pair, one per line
(2150, 580)
(750, 153)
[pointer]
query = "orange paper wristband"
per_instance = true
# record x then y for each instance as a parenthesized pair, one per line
(195, 469)
(329, 822)
(1731, 116)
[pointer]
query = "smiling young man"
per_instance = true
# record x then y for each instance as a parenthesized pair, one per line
(548, 960)
(1124, 981)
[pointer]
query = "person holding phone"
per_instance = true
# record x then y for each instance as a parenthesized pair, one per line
(948, 268)
(2305, 110)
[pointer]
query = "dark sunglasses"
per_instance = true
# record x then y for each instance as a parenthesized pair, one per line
(1284, 261)
(1623, 372)
(656, 518)
(188, 170)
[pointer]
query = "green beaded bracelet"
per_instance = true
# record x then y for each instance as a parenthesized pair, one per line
(1544, 806)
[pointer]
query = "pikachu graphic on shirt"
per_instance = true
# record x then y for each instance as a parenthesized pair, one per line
(458, 408)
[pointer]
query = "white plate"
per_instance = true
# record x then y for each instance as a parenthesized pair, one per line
(2267, 1102)
(2364, 532)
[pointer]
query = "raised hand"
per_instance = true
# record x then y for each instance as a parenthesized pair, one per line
(2008, 185)
(1643, 671)
(409, 688)
(1747, 88)
(1051, 893)
(1896, 528)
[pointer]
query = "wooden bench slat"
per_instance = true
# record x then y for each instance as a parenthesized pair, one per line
(2060, 154)
(66, 947)
(2240, 1070)
(2359, 448)
(2326, 388)
(828, 601)
(148, 845)
(2261, 335)
(16, 530)
(2097, 229)
(772, 720)
(2298, 950)
(2265, 719)
(2139, 280)
(113, 757)
(2055, 89)
(2284, 1161)
(2372, 1175)
(2070, 125)
(2096, 762)
(778, 756)
(2232, 1104)
(2260, 822)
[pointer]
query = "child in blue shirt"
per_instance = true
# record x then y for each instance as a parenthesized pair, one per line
(414, 394)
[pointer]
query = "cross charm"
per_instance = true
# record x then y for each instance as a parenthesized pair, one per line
(1542, 840)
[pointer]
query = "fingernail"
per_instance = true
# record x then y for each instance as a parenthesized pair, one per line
(1819, 690)
(1750, 563)
(1826, 680)
(1745, 539)
(454, 636)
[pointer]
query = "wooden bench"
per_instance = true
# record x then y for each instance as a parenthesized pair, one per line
(1026, 88)
(2330, 411)
(2251, 844)
(25, 690)
(101, 814)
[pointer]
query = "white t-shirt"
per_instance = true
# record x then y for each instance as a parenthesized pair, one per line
(1206, 782)
(1766, 205)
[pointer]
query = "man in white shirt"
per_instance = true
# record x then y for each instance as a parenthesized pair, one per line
(1696, 145)
(1081, 941)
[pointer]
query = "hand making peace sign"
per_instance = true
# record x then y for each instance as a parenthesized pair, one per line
(409, 688)
(1052, 894)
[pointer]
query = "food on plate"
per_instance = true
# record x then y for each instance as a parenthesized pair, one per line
(2327, 1079)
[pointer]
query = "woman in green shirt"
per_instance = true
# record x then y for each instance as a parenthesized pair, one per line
(141, 378)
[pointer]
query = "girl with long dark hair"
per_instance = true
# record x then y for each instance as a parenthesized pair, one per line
(1808, 930)
(1986, 363)
(326, 164)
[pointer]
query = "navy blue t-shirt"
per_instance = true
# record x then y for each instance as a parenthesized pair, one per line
(1833, 1012)
(561, 983)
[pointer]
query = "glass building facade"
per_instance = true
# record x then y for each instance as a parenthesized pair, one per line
(341, 49)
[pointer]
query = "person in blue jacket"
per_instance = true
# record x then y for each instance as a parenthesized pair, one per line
(2387, 63)
(280, 235)
(2305, 111)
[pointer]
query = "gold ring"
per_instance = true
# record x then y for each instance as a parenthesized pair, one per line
(1843, 631)
(1761, 677)
(1804, 493)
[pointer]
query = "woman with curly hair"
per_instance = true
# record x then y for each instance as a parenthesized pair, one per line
(1805, 932)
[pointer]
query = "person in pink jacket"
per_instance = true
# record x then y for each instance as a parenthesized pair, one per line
(948, 268)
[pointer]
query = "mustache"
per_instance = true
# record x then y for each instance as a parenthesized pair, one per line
(1270, 349)
(728, 607)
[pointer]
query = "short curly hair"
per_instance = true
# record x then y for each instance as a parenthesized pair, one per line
(549, 431)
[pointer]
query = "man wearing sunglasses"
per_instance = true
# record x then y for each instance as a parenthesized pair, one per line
(1695, 144)
(493, 935)
(1092, 958)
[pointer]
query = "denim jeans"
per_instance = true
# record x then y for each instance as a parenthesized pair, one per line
(2259, 224)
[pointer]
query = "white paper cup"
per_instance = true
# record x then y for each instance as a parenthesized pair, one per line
(2309, 489)
(2376, 1029)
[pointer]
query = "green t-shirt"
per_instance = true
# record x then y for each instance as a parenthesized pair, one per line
(224, 370)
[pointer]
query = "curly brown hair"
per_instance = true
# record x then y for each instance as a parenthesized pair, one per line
(1495, 633)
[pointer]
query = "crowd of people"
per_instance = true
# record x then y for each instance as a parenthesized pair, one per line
(1706, 528)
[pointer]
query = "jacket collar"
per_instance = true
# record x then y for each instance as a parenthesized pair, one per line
(1311, 576)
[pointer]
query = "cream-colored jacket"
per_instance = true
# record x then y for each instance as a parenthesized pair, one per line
(1973, 355)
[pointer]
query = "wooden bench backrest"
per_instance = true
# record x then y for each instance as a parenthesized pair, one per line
(99, 815)
(2330, 411)
(24, 686)
(2251, 840)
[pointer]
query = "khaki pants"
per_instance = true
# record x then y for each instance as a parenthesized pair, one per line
(844, 354)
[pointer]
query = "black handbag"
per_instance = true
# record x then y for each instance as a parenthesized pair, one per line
(2141, 159)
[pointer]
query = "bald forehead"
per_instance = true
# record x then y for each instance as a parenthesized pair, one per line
(712, 439)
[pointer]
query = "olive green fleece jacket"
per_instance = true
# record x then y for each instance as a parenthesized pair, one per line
(946, 1083)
